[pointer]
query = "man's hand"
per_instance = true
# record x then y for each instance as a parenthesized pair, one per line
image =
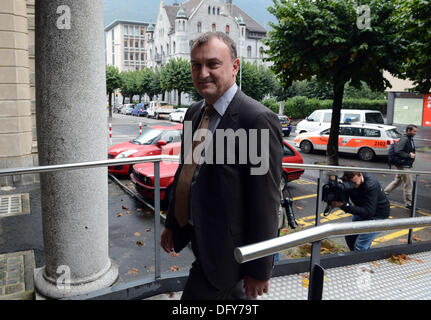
(412, 155)
(255, 287)
(336, 204)
(166, 241)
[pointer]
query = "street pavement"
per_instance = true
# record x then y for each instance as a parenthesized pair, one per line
(131, 224)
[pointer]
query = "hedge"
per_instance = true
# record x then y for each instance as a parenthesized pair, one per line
(301, 107)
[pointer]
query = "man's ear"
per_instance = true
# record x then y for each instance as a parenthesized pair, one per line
(236, 63)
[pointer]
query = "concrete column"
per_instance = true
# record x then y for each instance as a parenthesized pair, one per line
(71, 126)
(15, 109)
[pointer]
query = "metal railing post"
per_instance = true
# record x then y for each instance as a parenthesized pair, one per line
(157, 218)
(315, 287)
(413, 211)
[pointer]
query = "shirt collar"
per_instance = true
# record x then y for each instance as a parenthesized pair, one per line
(223, 102)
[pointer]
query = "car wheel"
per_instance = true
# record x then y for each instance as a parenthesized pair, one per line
(170, 118)
(366, 154)
(306, 146)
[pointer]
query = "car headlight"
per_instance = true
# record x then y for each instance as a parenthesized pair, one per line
(126, 154)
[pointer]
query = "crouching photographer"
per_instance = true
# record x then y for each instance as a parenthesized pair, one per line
(369, 203)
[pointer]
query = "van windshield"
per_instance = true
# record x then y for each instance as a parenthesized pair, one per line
(374, 117)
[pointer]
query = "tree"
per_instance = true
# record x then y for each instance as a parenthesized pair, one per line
(176, 75)
(414, 29)
(257, 81)
(113, 82)
(128, 84)
(154, 88)
(337, 45)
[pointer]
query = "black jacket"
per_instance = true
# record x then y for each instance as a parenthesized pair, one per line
(230, 207)
(369, 200)
(402, 150)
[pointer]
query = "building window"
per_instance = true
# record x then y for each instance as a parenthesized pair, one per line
(242, 32)
(199, 27)
(249, 52)
(209, 10)
(174, 47)
(261, 52)
(136, 44)
(131, 43)
(142, 31)
(113, 59)
(227, 29)
(218, 11)
(184, 26)
(131, 56)
(214, 10)
(126, 43)
(213, 27)
(126, 55)
(126, 30)
(142, 44)
(142, 56)
(167, 49)
(136, 31)
(191, 44)
(136, 56)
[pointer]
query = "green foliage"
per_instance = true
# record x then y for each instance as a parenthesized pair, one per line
(272, 104)
(113, 79)
(413, 20)
(256, 81)
(301, 107)
(176, 75)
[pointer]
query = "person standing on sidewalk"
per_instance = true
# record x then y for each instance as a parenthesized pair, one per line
(405, 155)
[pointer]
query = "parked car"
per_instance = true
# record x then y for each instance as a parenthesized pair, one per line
(117, 108)
(321, 119)
(178, 115)
(159, 109)
(140, 110)
(142, 174)
(286, 127)
(152, 141)
(365, 140)
(127, 108)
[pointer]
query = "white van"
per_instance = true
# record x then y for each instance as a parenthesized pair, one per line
(321, 119)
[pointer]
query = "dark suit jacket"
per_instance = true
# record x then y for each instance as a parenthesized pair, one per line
(230, 207)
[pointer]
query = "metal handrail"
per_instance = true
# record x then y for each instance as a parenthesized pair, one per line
(86, 165)
(158, 158)
(265, 248)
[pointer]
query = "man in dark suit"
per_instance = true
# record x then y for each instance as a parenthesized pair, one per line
(221, 204)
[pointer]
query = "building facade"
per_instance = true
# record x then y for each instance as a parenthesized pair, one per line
(178, 25)
(126, 45)
(18, 140)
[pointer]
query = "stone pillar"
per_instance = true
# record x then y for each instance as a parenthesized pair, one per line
(15, 108)
(71, 126)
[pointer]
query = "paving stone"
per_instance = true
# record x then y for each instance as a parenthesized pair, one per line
(16, 288)
(13, 260)
(12, 281)
(12, 274)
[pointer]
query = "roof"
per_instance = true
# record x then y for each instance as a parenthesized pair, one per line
(189, 6)
(251, 24)
(116, 22)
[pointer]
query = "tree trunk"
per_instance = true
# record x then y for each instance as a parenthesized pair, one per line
(179, 99)
(124, 99)
(140, 98)
(332, 149)
(131, 98)
(110, 105)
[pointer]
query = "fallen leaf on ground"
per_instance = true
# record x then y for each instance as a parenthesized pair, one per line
(137, 234)
(138, 209)
(125, 208)
(174, 254)
(375, 264)
(174, 268)
(305, 283)
(133, 271)
(416, 238)
(402, 240)
(148, 230)
(140, 243)
(152, 268)
(148, 212)
(299, 208)
(119, 214)
(129, 212)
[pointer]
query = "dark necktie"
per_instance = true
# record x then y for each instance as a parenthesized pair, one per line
(182, 193)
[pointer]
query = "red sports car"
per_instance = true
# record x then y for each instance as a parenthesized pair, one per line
(154, 140)
(143, 174)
